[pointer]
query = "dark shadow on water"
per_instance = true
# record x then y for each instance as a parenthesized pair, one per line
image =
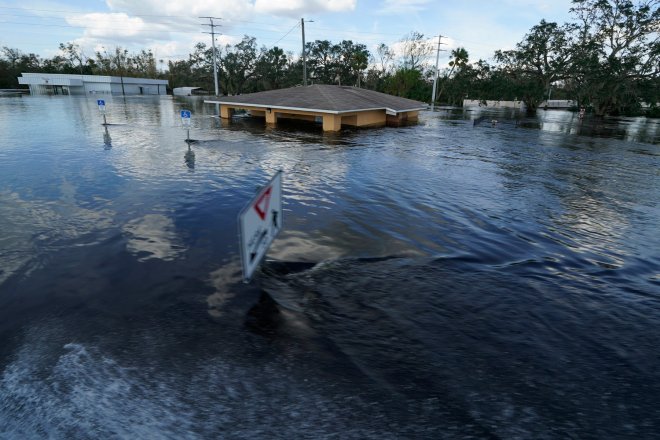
(264, 318)
(189, 158)
(306, 131)
(107, 140)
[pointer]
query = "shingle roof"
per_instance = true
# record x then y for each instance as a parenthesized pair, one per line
(324, 98)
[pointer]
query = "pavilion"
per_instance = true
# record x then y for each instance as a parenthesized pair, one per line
(334, 105)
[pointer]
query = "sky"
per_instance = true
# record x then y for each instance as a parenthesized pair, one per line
(170, 28)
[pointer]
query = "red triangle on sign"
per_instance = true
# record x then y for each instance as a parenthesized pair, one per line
(263, 203)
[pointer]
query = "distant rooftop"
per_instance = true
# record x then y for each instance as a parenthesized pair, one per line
(188, 91)
(323, 98)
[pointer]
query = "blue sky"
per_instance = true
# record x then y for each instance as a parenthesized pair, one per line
(170, 28)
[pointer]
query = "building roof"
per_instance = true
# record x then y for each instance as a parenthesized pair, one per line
(184, 91)
(72, 79)
(324, 99)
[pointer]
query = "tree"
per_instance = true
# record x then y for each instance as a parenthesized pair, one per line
(270, 70)
(385, 57)
(117, 62)
(353, 59)
(143, 64)
(459, 59)
(408, 83)
(12, 55)
(74, 54)
(323, 60)
(179, 73)
(539, 60)
(239, 64)
(617, 52)
(415, 51)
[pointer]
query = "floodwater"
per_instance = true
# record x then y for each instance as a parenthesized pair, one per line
(441, 280)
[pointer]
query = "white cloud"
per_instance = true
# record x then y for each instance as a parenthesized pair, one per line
(403, 6)
(296, 8)
(171, 28)
(153, 237)
(117, 26)
(178, 10)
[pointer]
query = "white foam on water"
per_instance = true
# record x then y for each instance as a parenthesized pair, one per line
(86, 394)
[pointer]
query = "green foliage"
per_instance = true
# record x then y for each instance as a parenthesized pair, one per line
(323, 59)
(539, 60)
(408, 83)
(459, 64)
(607, 58)
(270, 69)
(238, 65)
(13, 63)
(616, 53)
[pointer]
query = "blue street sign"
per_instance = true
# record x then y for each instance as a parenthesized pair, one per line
(185, 118)
(100, 102)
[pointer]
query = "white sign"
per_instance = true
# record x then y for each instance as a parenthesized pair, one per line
(259, 223)
(101, 104)
(185, 118)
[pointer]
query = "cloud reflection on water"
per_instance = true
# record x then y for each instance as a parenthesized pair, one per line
(222, 279)
(153, 236)
(30, 227)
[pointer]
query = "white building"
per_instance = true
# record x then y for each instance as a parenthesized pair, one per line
(68, 84)
(188, 91)
(493, 104)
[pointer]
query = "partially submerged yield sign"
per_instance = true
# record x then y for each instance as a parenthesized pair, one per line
(259, 223)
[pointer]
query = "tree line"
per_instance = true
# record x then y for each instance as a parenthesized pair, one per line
(606, 58)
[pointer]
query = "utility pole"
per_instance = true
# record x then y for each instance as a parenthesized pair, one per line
(215, 62)
(437, 72)
(304, 55)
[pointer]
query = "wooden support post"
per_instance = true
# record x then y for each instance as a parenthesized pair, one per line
(271, 117)
(331, 122)
(413, 116)
(226, 112)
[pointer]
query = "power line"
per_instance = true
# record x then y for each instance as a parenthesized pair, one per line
(152, 31)
(149, 27)
(290, 30)
(334, 30)
(162, 29)
(116, 12)
(169, 22)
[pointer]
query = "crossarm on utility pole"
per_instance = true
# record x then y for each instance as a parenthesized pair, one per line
(215, 62)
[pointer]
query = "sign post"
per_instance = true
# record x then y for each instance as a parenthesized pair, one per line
(259, 223)
(101, 104)
(185, 120)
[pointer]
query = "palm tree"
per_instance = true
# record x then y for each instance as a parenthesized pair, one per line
(459, 59)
